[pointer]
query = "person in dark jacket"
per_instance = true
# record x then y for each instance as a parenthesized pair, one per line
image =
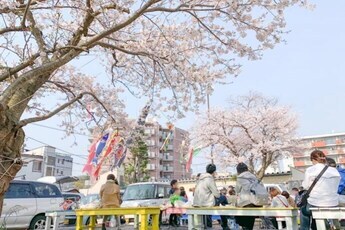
(173, 218)
(243, 186)
(223, 200)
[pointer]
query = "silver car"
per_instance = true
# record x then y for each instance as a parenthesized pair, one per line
(26, 202)
(146, 194)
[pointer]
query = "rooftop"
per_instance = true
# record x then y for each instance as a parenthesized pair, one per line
(323, 136)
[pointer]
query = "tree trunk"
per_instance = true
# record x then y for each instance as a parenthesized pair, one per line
(11, 142)
(260, 174)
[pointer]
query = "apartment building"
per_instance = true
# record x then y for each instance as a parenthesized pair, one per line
(45, 161)
(333, 145)
(170, 162)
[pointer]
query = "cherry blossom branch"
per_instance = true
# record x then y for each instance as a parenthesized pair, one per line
(118, 27)
(27, 121)
(16, 69)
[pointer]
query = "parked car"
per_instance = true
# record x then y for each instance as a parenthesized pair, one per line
(26, 202)
(146, 194)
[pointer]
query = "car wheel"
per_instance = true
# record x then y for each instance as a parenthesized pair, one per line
(39, 223)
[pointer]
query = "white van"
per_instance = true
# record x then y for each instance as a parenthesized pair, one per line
(146, 194)
(26, 202)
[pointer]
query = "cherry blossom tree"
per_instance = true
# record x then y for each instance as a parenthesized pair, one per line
(169, 51)
(254, 130)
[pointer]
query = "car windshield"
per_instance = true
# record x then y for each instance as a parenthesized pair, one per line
(89, 199)
(139, 192)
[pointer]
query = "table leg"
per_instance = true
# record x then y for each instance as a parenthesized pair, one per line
(79, 223)
(320, 224)
(291, 223)
(155, 221)
(56, 223)
(144, 222)
(48, 223)
(136, 221)
(92, 223)
(190, 222)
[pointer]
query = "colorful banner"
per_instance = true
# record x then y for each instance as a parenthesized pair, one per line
(99, 149)
(88, 166)
(166, 142)
(114, 140)
(192, 153)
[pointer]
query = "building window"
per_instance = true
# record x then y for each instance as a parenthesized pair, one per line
(58, 161)
(49, 171)
(51, 160)
(37, 166)
(57, 171)
(61, 172)
(63, 161)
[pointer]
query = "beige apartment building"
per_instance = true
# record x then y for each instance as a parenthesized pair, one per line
(169, 163)
(333, 145)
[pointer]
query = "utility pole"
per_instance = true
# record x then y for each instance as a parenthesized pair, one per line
(208, 116)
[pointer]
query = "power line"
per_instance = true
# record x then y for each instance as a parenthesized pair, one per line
(72, 154)
(61, 130)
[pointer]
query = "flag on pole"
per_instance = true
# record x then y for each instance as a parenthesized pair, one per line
(192, 153)
(99, 149)
(166, 142)
(88, 166)
(123, 157)
(107, 150)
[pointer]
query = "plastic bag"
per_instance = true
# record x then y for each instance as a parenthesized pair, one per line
(112, 222)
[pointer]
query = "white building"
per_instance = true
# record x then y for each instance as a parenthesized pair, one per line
(282, 165)
(45, 161)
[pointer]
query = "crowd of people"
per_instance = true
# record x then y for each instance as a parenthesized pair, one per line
(325, 192)
(323, 186)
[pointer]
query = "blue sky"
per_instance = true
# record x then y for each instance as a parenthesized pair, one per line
(306, 73)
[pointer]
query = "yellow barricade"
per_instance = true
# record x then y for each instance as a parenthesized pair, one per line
(143, 212)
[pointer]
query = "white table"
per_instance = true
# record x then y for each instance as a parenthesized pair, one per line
(322, 214)
(54, 216)
(287, 214)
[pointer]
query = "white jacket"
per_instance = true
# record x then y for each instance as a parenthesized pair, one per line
(324, 193)
(279, 201)
(205, 191)
(242, 188)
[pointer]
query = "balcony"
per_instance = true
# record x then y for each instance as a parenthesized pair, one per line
(151, 154)
(167, 157)
(151, 167)
(299, 163)
(168, 169)
(318, 144)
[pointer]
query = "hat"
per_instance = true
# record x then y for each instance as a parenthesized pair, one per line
(211, 168)
(241, 167)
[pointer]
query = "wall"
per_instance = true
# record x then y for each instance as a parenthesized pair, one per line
(27, 171)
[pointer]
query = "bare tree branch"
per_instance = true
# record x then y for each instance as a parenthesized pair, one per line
(59, 109)
(37, 34)
(13, 29)
(25, 13)
(16, 69)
